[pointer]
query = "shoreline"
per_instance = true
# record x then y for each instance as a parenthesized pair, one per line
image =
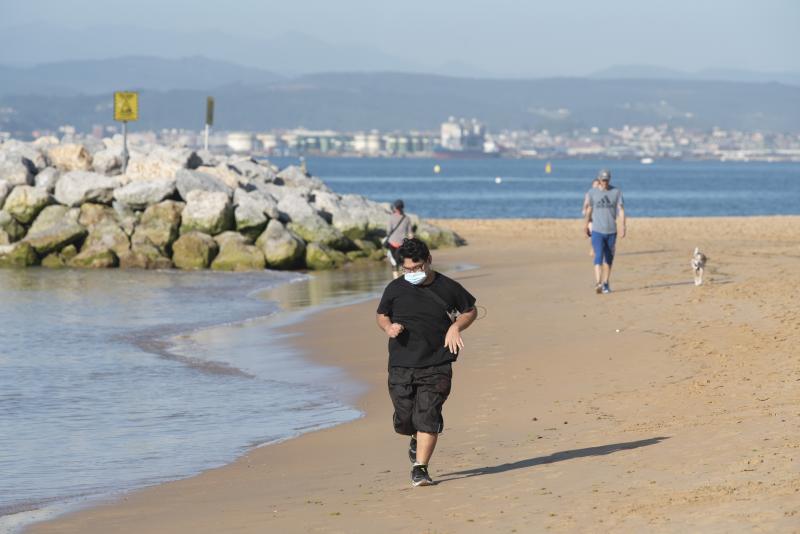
(295, 299)
(288, 459)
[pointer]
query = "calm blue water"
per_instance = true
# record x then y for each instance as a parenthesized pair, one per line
(468, 189)
(114, 380)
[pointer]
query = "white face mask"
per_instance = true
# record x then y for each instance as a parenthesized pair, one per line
(415, 278)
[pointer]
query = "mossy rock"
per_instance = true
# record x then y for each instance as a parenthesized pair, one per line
(378, 255)
(54, 261)
(235, 254)
(321, 257)
(194, 250)
(144, 255)
(69, 252)
(354, 255)
(95, 258)
(366, 245)
(18, 255)
(282, 249)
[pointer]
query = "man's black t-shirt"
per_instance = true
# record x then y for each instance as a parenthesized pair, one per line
(425, 321)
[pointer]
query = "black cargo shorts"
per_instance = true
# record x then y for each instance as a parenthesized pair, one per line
(418, 394)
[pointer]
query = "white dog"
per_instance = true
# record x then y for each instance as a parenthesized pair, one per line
(698, 265)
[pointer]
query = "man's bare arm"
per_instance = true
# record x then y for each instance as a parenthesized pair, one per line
(622, 221)
(587, 218)
(453, 340)
(389, 328)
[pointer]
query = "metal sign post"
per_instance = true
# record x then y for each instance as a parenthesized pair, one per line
(126, 108)
(209, 119)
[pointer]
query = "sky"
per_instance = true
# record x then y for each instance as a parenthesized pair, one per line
(501, 37)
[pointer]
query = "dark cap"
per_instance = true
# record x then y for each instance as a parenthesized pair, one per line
(604, 175)
(398, 204)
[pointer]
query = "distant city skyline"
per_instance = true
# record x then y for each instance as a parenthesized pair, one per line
(508, 38)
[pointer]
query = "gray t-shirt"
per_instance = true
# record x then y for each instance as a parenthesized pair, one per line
(403, 229)
(604, 209)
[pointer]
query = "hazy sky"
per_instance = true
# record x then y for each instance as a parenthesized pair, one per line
(566, 37)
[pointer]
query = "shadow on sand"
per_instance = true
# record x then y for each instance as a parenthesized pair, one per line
(555, 457)
(671, 284)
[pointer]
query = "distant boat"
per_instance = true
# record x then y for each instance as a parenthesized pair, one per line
(646, 161)
(548, 168)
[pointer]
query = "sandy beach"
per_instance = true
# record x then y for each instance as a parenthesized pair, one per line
(661, 407)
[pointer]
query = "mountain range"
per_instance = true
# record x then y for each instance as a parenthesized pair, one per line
(173, 93)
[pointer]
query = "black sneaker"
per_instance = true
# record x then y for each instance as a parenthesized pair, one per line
(412, 450)
(420, 476)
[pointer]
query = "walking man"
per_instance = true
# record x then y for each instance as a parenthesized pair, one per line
(398, 228)
(605, 205)
(423, 313)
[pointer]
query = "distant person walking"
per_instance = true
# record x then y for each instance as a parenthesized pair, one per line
(605, 205)
(397, 229)
(423, 313)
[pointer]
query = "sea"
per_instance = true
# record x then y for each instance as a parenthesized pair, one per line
(521, 188)
(115, 380)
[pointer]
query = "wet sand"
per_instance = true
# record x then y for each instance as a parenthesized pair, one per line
(661, 407)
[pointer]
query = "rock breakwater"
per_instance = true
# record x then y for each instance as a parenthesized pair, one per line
(67, 204)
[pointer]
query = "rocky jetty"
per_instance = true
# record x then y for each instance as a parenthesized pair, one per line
(67, 204)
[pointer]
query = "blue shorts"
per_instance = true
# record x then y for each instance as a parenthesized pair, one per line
(604, 245)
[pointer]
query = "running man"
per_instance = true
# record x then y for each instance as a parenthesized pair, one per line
(605, 204)
(415, 312)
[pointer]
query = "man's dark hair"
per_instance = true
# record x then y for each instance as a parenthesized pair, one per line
(415, 249)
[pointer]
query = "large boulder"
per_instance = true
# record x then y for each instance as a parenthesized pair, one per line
(282, 249)
(25, 202)
(108, 161)
(70, 157)
(437, 237)
(321, 257)
(235, 254)
(18, 254)
(59, 260)
(96, 257)
(226, 174)
(139, 195)
(189, 180)
(159, 226)
(160, 163)
(10, 229)
(92, 214)
(47, 179)
(78, 187)
(254, 170)
(16, 169)
(52, 216)
(208, 212)
(353, 215)
(55, 228)
(144, 255)
(108, 236)
(128, 219)
(29, 151)
(194, 250)
(293, 176)
(252, 210)
(306, 222)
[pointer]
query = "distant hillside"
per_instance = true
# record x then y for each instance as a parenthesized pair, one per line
(387, 101)
(730, 75)
(100, 76)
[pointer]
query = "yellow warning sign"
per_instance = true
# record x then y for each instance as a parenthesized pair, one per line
(126, 106)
